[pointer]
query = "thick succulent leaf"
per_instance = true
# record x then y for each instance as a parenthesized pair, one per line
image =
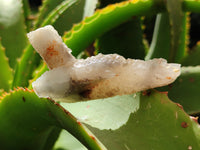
(70, 17)
(191, 5)
(12, 29)
(62, 17)
(177, 22)
(52, 138)
(45, 9)
(67, 142)
(109, 113)
(25, 67)
(59, 10)
(1, 91)
(158, 124)
(104, 20)
(192, 59)
(126, 40)
(185, 90)
(162, 44)
(27, 11)
(6, 72)
(27, 122)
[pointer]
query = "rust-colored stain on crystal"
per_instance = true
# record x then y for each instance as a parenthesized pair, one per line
(51, 51)
(169, 78)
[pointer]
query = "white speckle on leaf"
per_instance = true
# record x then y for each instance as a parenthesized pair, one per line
(98, 76)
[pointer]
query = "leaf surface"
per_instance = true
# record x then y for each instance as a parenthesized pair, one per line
(12, 29)
(109, 113)
(192, 58)
(158, 124)
(6, 72)
(125, 40)
(163, 43)
(28, 121)
(185, 90)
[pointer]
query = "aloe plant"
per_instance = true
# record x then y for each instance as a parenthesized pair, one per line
(153, 119)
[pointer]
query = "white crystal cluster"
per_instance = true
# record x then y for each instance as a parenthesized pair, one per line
(96, 77)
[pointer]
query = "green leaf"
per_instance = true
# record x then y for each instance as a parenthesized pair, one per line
(62, 14)
(104, 20)
(192, 59)
(28, 121)
(177, 22)
(25, 67)
(109, 113)
(6, 75)
(27, 12)
(125, 40)
(185, 90)
(191, 5)
(160, 44)
(1, 92)
(67, 142)
(69, 17)
(163, 44)
(12, 29)
(59, 10)
(158, 124)
(45, 9)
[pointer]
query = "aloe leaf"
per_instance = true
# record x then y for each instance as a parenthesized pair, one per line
(52, 138)
(192, 58)
(64, 14)
(109, 113)
(45, 9)
(6, 75)
(26, 12)
(104, 20)
(185, 90)
(157, 124)
(191, 5)
(176, 21)
(55, 13)
(26, 64)
(162, 44)
(126, 40)
(12, 29)
(1, 92)
(70, 17)
(67, 142)
(33, 121)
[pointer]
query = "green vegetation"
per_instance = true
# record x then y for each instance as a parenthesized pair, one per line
(155, 119)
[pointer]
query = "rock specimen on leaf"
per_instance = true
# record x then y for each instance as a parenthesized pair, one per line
(96, 77)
